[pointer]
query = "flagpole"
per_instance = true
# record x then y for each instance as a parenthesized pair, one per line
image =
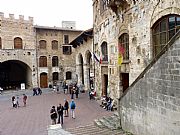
(93, 60)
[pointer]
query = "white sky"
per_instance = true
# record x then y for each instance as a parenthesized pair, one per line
(51, 12)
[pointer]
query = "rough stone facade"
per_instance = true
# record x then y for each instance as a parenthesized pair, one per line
(65, 62)
(27, 57)
(84, 58)
(135, 18)
(152, 104)
(11, 28)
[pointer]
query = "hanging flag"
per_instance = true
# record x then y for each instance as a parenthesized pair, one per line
(120, 59)
(95, 57)
(100, 61)
(121, 51)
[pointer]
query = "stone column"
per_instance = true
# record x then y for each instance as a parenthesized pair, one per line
(79, 73)
(86, 76)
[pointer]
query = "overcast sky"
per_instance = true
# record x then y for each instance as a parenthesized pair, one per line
(51, 12)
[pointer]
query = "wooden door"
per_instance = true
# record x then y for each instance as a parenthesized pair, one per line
(43, 80)
(104, 85)
(125, 80)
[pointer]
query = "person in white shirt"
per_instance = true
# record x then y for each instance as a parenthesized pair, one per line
(1, 90)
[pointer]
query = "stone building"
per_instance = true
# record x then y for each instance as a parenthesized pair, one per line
(54, 55)
(132, 39)
(34, 55)
(84, 59)
(18, 52)
(130, 27)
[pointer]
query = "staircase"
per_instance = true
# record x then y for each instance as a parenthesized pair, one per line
(93, 130)
(109, 125)
(110, 122)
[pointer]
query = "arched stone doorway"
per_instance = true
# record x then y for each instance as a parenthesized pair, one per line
(43, 80)
(13, 73)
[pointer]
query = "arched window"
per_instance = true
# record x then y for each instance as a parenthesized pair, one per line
(104, 51)
(68, 75)
(124, 44)
(43, 61)
(0, 43)
(163, 30)
(54, 61)
(55, 76)
(18, 43)
(54, 45)
(42, 44)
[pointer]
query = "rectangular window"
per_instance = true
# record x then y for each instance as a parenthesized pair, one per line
(66, 39)
(67, 50)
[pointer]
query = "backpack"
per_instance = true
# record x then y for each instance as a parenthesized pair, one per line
(72, 105)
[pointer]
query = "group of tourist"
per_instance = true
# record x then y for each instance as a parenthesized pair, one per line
(37, 91)
(107, 103)
(72, 89)
(15, 101)
(62, 111)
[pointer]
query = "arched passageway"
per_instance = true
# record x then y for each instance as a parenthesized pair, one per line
(13, 73)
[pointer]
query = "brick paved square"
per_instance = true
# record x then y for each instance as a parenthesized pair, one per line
(34, 119)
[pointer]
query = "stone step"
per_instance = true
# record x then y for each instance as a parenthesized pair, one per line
(85, 129)
(98, 123)
(111, 122)
(107, 124)
(93, 130)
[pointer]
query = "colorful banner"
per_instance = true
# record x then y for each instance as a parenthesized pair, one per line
(120, 54)
(96, 58)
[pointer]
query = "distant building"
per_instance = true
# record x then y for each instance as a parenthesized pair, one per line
(69, 24)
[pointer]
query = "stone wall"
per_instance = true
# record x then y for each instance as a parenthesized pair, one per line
(136, 19)
(66, 62)
(152, 105)
(12, 27)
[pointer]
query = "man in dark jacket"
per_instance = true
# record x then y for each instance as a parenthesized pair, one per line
(60, 110)
(53, 115)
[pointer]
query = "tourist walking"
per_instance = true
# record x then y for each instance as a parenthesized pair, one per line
(34, 91)
(66, 108)
(72, 107)
(53, 115)
(24, 99)
(77, 91)
(39, 91)
(13, 101)
(17, 101)
(72, 93)
(60, 110)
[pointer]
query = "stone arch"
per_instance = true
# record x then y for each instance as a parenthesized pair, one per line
(157, 16)
(13, 73)
(123, 29)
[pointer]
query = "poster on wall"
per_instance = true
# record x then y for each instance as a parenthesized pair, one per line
(22, 86)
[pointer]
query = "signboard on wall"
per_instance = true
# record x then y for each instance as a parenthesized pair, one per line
(22, 86)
